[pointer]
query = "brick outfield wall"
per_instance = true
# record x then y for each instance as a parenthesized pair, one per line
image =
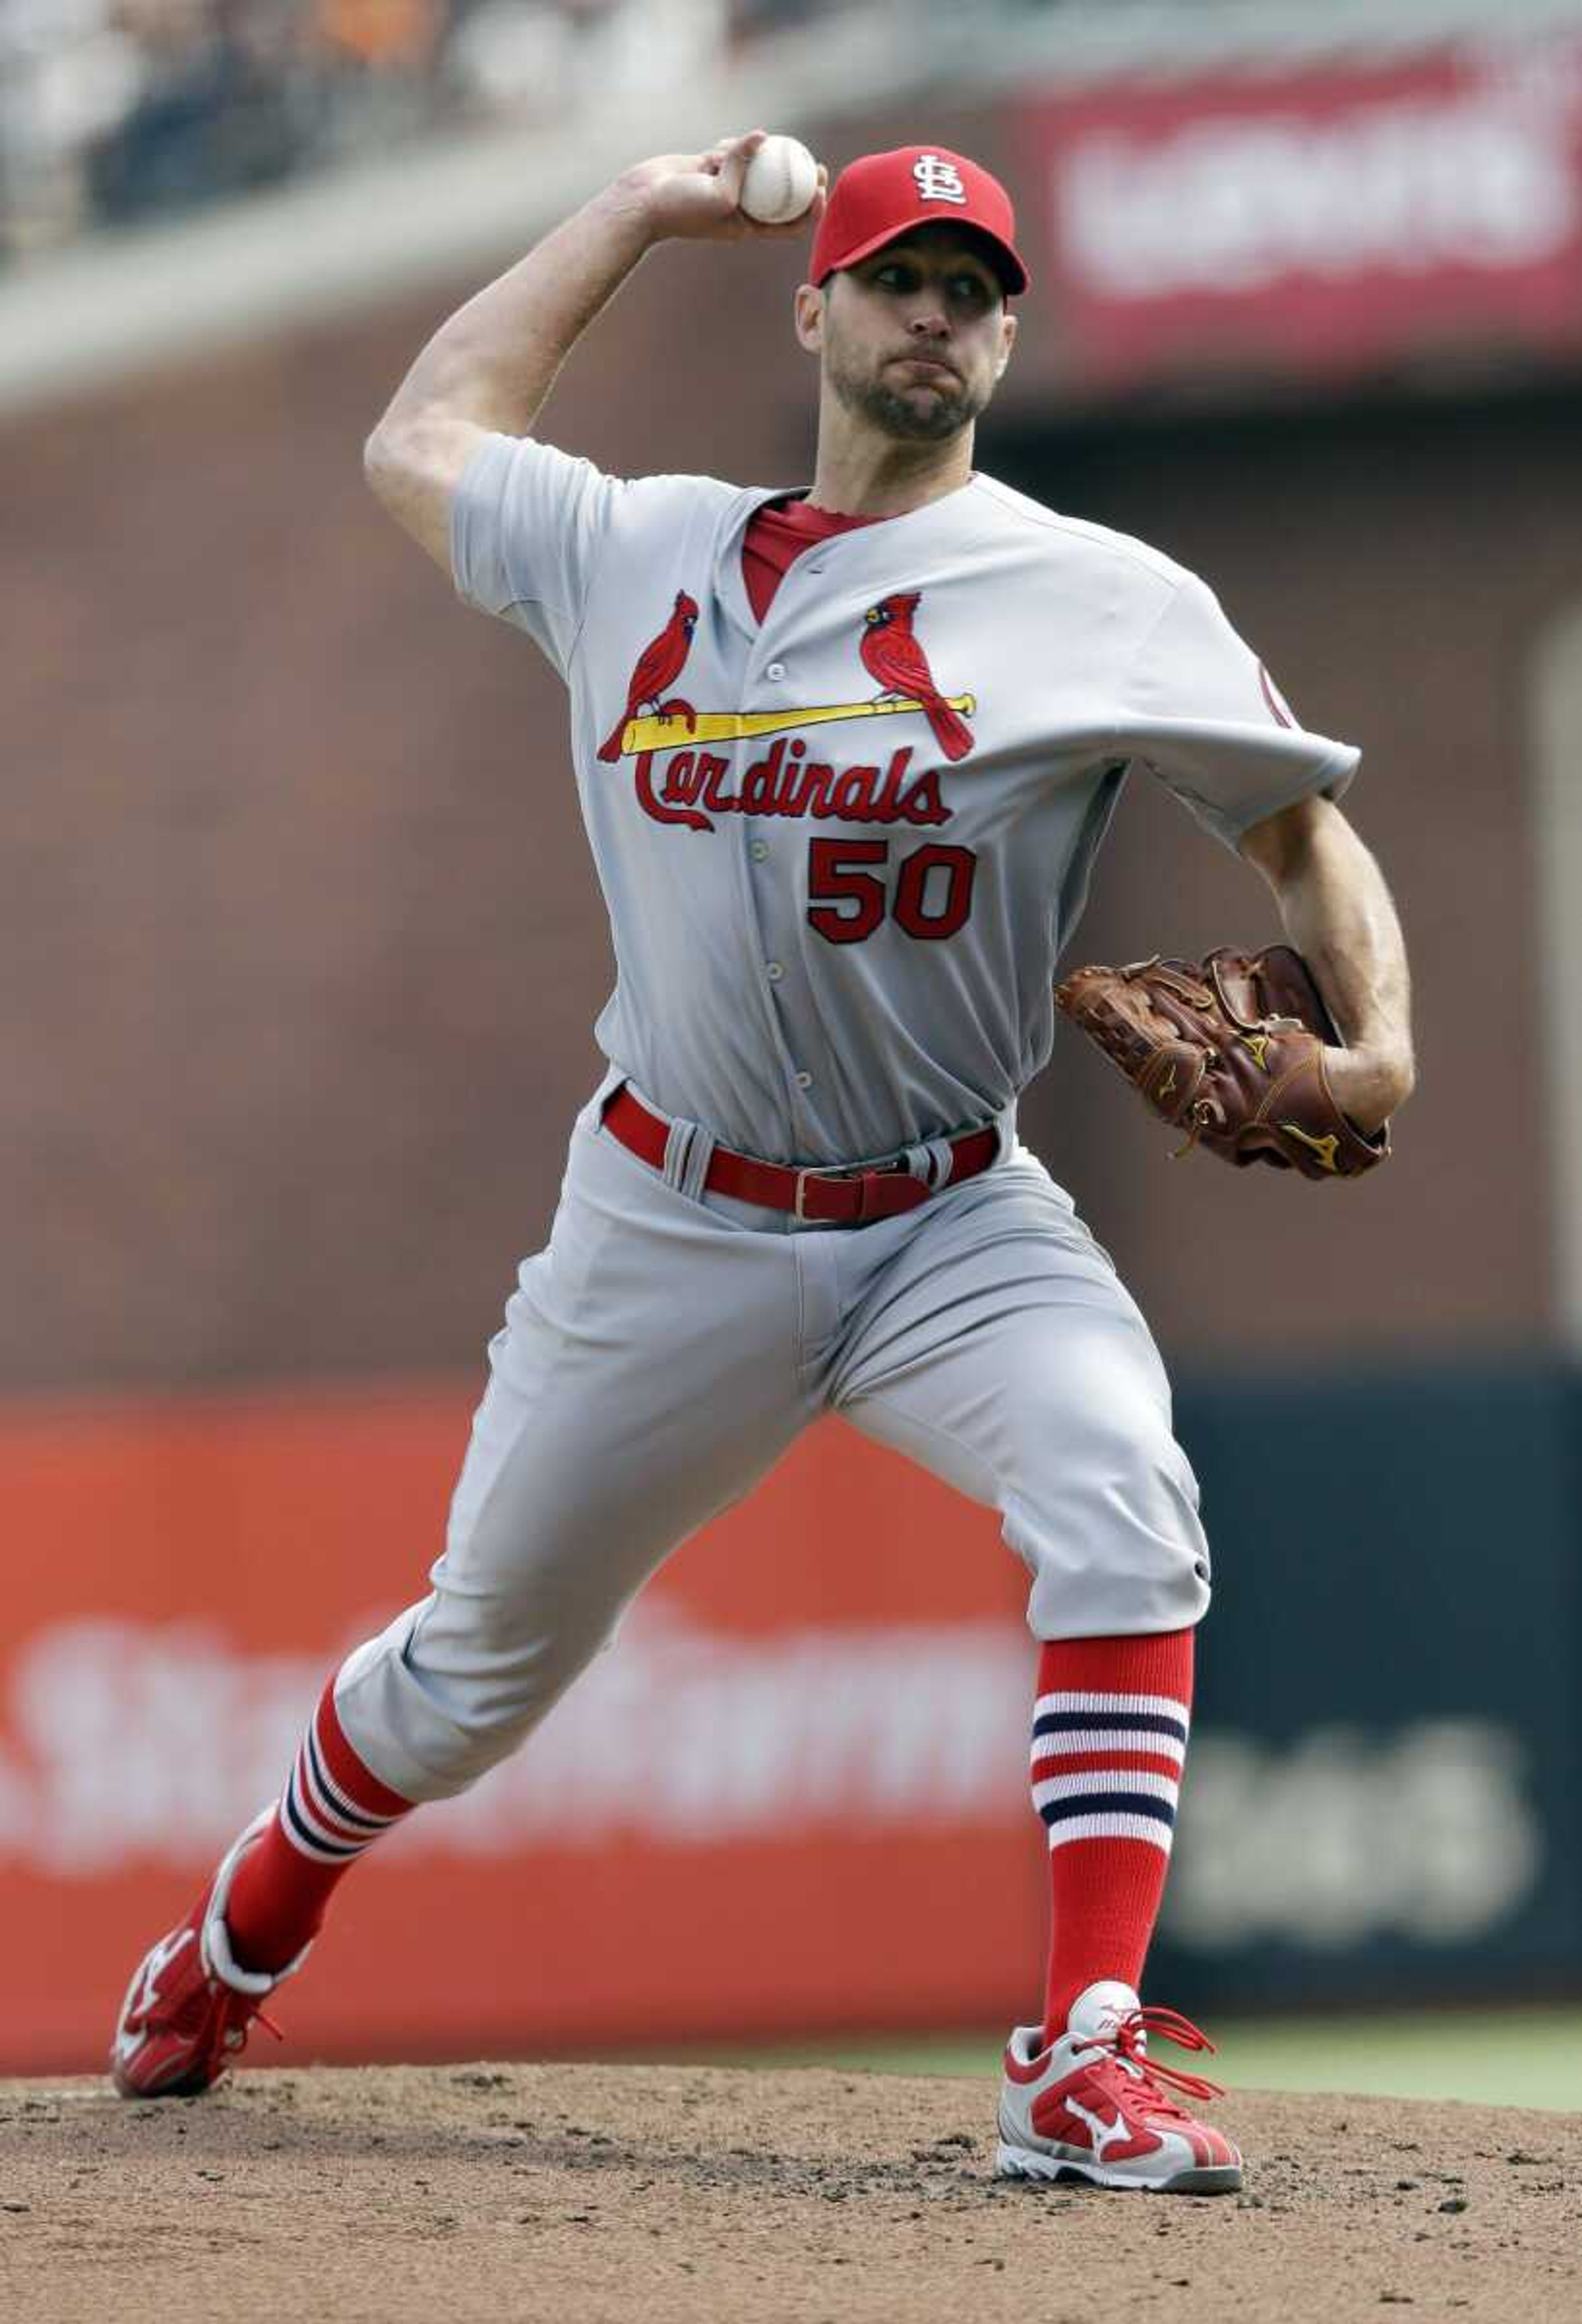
(308, 947)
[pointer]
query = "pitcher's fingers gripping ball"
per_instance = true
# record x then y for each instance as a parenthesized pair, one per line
(1231, 1050)
(781, 180)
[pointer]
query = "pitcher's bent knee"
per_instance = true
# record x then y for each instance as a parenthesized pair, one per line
(431, 1704)
(1112, 1537)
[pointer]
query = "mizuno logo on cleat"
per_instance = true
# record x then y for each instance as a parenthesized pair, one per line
(1103, 2133)
(147, 1990)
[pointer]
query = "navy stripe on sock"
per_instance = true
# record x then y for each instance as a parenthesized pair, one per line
(1108, 1722)
(1109, 1803)
(337, 1799)
(310, 1839)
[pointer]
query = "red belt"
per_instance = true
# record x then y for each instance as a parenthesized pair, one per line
(834, 1198)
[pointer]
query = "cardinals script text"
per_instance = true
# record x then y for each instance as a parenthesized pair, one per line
(693, 788)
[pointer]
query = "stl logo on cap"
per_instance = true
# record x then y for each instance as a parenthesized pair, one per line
(876, 199)
(937, 180)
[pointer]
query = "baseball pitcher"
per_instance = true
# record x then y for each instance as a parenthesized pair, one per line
(845, 757)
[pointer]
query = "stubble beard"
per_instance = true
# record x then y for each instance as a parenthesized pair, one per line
(928, 415)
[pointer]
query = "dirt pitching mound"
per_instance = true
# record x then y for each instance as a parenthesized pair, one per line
(578, 2194)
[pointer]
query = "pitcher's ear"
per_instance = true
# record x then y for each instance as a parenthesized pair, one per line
(808, 313)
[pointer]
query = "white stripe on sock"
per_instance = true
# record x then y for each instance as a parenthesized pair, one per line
(1110, 1827)
(1136, 1742)
(1104, 1784)
(1157, 1706)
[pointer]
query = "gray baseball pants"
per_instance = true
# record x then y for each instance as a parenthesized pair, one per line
(664, 1351)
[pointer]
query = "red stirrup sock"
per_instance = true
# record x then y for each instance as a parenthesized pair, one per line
(1110, 1734)
(331, 1810)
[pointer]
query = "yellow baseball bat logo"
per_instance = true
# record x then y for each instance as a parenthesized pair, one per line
(662, 733)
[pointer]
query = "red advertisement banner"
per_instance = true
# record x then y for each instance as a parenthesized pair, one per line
(1320, 220)
(792, 1794)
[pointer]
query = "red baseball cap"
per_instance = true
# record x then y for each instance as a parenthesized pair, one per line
(884, 196)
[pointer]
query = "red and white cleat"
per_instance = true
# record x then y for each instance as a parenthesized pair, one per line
(1092, 2106)
(188, 2007)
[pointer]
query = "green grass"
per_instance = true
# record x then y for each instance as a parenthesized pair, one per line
(1522, 2057)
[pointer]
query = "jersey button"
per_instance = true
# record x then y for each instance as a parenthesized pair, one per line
(774, 971)
(776, 670)
(758, 850)
(805, 1080)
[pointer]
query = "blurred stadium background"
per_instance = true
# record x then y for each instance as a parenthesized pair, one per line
(303, 952)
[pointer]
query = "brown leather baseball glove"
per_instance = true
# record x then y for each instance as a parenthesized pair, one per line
(1231, 1051)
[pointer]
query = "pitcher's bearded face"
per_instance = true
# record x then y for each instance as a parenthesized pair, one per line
(915, 337)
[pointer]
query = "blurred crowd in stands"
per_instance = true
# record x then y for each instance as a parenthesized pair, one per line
(120, 111)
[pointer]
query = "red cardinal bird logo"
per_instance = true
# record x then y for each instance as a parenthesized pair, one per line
(891, 653)
(659, 665)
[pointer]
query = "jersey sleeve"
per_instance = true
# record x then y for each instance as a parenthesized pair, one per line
(1201, 710)
(527, 523)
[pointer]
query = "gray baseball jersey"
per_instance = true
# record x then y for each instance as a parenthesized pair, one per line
(842, 848)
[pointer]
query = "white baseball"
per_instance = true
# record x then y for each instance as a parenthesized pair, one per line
(780, 180)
